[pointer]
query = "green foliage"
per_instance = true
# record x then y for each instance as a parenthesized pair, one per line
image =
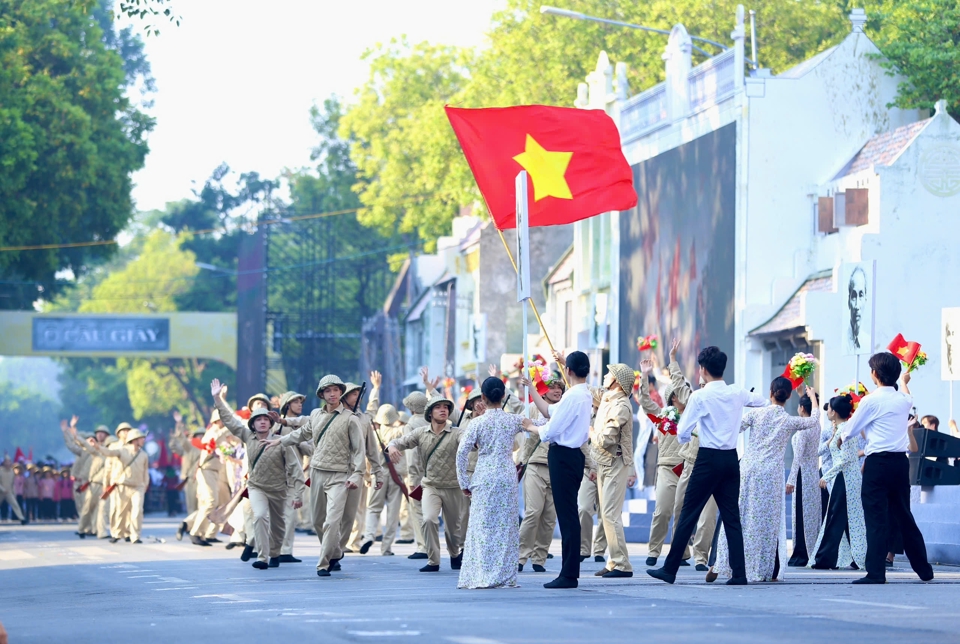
(920, 39)
(69, 139)
(30, 420)
(412, 176)
(151, 12)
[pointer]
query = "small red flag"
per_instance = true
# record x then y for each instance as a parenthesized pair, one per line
(796, 382)
(573, 156)
(906, 351)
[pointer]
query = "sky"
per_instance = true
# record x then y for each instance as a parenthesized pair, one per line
(236, 80)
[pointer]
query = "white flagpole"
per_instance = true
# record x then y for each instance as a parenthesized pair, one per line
(523, 264)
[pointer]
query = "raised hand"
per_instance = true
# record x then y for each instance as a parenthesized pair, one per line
(493, 370)
(216, 388)
(425, 376)
(812, 393)
(73, 420)
(646, 367)
(273, 442)
(63, 424)
(560, 359)
(673, 349)
(376, 378)
(274, 416)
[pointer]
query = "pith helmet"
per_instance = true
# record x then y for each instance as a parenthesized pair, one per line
(624, 375)
(134, 435)
(439, 400)
(404, 417)
(387, 415)
(255, 414)
(330, 381)
(288, 398)
(110, 440)
(102, 428)
(199, 431)
(215, 416)
(416, 402)
(121, 427)
(261, 397)
(473, 395)
(350, 386)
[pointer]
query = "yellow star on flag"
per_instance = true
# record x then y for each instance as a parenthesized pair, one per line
(903, 351)
(546, 170)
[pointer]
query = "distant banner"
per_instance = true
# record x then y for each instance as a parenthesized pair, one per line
(121, 334)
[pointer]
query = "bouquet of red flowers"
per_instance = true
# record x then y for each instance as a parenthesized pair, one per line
(647, 343)
(800, 367)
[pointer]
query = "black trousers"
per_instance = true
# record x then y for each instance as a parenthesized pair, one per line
(886, 493)
(799, 558)
(716, 473)
(566, 473)
(835, 527)
(824, 501)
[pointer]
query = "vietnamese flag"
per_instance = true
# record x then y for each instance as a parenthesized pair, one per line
(573, 156)
(796, 382)
(906, 351)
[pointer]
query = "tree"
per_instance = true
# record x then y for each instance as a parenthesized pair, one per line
(412, 176)
(920, 39)
(30, 420)
(69, 139)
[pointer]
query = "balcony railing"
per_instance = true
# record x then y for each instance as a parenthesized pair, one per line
(642, 112)
(711, 81)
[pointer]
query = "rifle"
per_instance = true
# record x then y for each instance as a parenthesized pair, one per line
(463, 410)
(393, 470)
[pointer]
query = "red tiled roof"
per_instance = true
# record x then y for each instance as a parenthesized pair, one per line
(883, 148)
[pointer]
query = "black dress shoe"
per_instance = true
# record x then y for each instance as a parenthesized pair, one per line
(684, 562)
(274, 562)
(137, 541)
(114, 540)
(213, 540)
(335, 565)
(127, 539)
(561, 582)
(701, 568)
(737, 581)
(456, 562)
(365, 548)
(601, 572)
(889, 564)
(583, 558)
(323, 572)
(538, 568)
(418, 555)
(711, 576)
(662, 575)
(549, 556)
(868, 580)
(260, 565)
(289, 559)
(404, 541)
(599, 559)
(232, 545)
(181, 530)
(651, 561)
(80, 534)
(24, 521)
(614, 574)
(247, 553)
(198, 541)
(429, 568)
(927, 577)
(379, 538)
(519, 567)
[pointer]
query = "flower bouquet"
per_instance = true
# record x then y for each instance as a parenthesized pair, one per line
(800, 368)
(537, 372)
(636, 381)
(667, 420)
(918, 362)
(856, 393)
(647, 343)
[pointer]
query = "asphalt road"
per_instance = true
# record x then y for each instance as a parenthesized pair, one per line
(55, 587)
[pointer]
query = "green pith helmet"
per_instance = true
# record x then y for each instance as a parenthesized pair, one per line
(387, 415)
(261, 397)
(439, 400)
(288, 398)
(121, 427)
(330, 381)
(255, 414)
(416, 402)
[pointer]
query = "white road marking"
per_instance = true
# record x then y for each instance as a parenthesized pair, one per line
(179, 588)
(230, 597)
(382, 633)
(467, 639)
(877, 604)
(14, 555)
(142, 576)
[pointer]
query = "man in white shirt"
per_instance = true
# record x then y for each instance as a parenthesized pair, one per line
(882, 417)
(567, 430)
(716, 410)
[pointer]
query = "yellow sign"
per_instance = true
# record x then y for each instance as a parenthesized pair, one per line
(100, 335)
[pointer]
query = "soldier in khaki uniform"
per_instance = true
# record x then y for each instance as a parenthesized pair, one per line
(181, 445)
(539, 514)
(203, 532)
(387, 427)
(99, 473)
(407, 534)
(416, 402)
(438, 446)
(612, 450)
(669, 496)
(7, 476)
(271, 473)
(291, 408)
(335, 467)
(119, 522)
(355, 510)
(131, 480)
(80, 471)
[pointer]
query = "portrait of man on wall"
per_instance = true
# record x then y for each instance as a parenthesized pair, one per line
(857, 284)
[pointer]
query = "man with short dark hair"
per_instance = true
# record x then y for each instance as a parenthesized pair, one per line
(567, 430)
(930, 422)
(716, 409)
(882, 418)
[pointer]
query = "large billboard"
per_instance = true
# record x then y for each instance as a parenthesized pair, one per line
(677, 251)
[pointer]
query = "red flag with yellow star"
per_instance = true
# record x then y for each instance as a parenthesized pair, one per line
(906, 351)
(573, 157)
